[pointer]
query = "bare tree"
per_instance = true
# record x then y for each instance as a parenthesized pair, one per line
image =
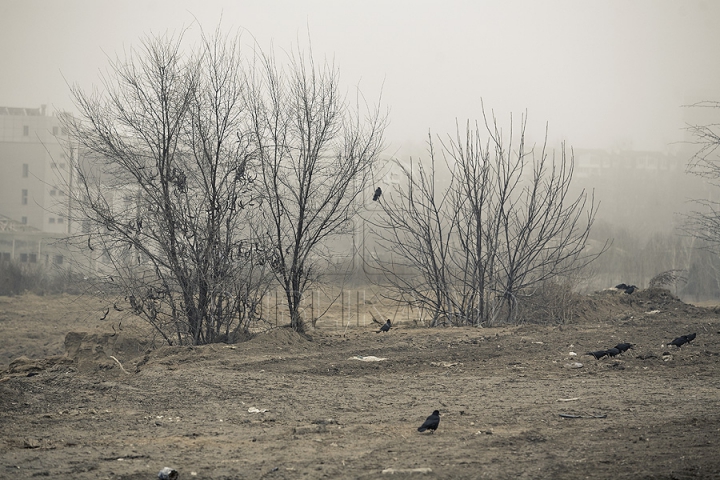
(491, 235)
(165, 188)
(315, 154)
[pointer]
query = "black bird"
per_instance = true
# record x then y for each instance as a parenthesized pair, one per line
(378, 192)
(431, 423)
(385, 327)
(626, 288)
(624, 347)
(690, 337)
(679, 341)
(598, 355)
(611, 352)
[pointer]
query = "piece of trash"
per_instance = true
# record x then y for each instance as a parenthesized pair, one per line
(257, 410)
(572, 354)
(393, 471)
(168, 473)
(369, 358)
(652, 312)
(568, 399)
(539, 343)
(574, 365)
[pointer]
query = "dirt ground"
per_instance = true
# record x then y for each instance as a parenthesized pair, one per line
(513, 403)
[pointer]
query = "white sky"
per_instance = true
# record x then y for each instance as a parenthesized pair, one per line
(602, 73)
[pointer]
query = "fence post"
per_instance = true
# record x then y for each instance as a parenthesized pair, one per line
(342, 308)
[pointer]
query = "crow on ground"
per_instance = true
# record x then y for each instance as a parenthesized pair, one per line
(598, 355)
(378, 192)
(624, 347)
(611, 352)
(385, 327)
(431, 423)
(690, 337)
(679, 341)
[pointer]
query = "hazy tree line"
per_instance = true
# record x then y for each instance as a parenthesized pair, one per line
(205, 176)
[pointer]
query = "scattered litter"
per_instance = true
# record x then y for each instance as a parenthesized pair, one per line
(168, 473)
(369, 358)
(484, 432)
(652, 312)
(257, 410)
(572, 354)
(393, 471)
(574, 365)
(539, 343)
(568, 399)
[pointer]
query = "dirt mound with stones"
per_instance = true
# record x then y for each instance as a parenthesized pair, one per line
(515, 402)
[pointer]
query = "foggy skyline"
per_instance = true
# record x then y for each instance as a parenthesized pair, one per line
(601, 74)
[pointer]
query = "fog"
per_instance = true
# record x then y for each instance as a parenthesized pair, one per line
(610, 75)
(602, 74)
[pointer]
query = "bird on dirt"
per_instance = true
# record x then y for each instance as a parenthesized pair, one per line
(611, 352)
(385, 327)
(690, 337)
(378, 192)
(626, 288)
(598, 354)
(679, 341)
(431, 423)
(624, 347)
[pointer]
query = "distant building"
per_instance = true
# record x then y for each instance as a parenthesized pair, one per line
(35, 169)
(35, 179)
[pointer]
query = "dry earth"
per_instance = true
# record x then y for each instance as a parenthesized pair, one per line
(68, 410)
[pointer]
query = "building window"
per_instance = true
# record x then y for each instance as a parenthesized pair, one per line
(32, 258)
(24, 197)
(62, 166)
(23, 220)
(55, 130)
(26, 130)
(61, 220)
(26, 170)
(52, 192)
(53, 165)
(58, 259)
(24, 257)
(51, 220)
(6, 256)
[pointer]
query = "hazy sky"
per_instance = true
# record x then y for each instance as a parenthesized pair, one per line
(602, 73)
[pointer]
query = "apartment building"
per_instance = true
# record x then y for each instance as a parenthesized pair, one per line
(35, 178)
(34, 169)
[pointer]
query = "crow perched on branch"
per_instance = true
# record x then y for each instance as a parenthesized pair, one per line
(385, 327)
(431, 423)
(378, 192)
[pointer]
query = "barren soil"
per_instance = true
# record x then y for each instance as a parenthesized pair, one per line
(511, 403)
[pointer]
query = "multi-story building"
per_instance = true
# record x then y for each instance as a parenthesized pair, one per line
(34, 169)
(35, 180)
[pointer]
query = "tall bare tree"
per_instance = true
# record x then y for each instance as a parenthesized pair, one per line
(165, 187)
(493, 233)
(315, 153)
